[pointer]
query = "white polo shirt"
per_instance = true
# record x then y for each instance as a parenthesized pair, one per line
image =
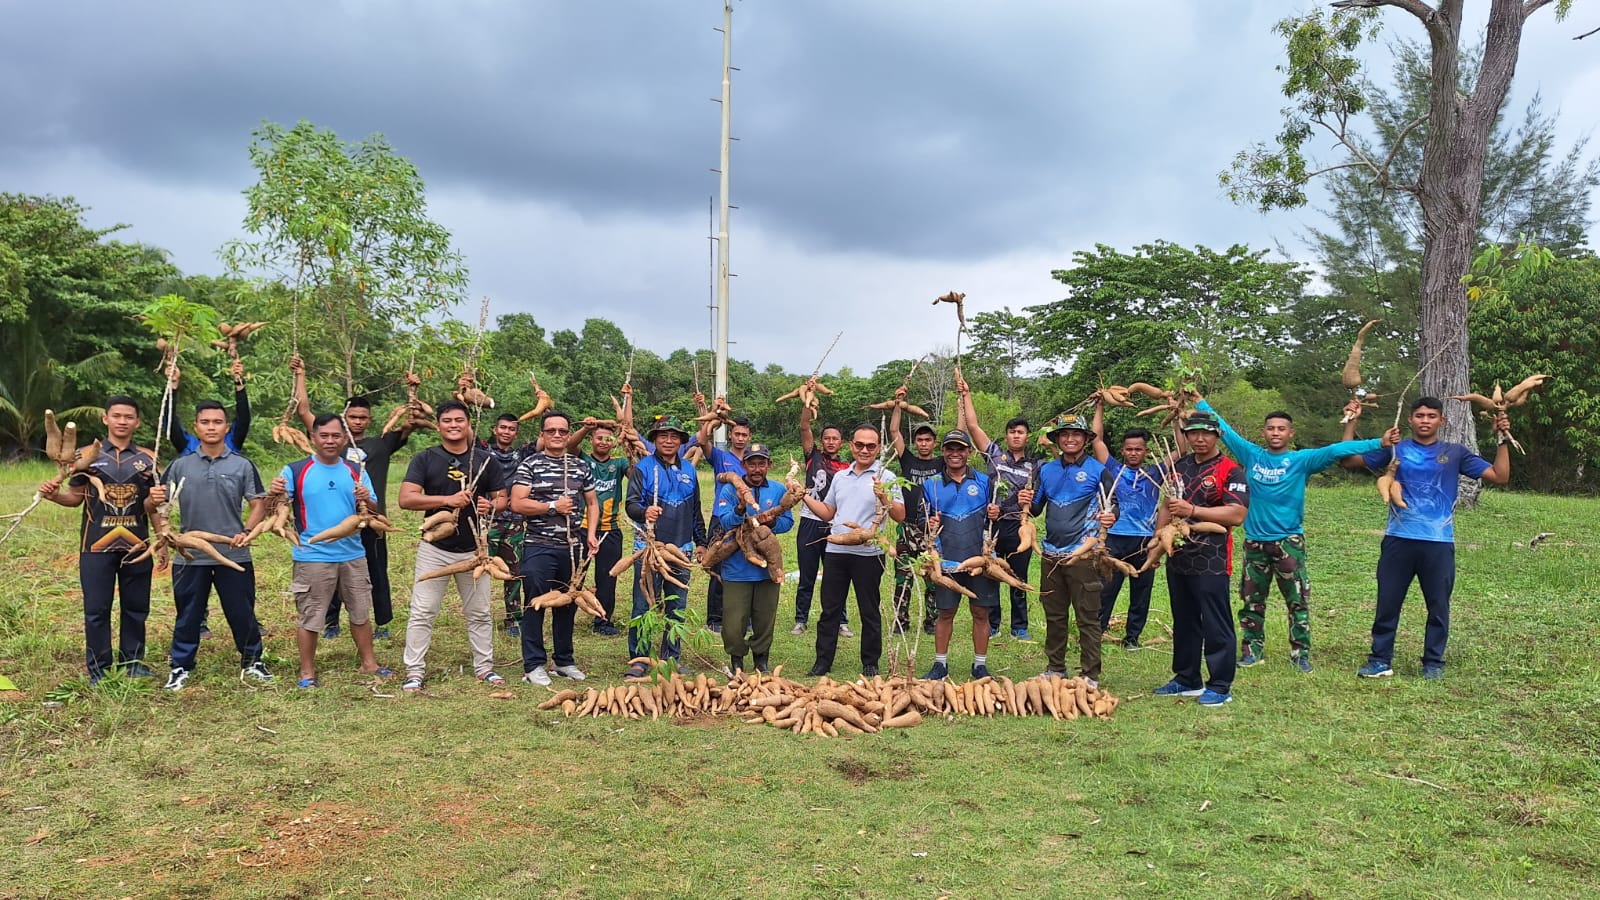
(850, 495)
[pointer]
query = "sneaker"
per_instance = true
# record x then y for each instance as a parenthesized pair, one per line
(980, 671)
(331, 632)
(1249, 659)
(1433, 671)
(138, 669)
(573, 672)
(844, 630)
(1212, 698)
(256, 670)
(177, 679)
(537, 676)
(513, 629)
(606, 629)
(994, 630)
(1052, 673)
(1130, 644)
(869, 671)
(1093, 685)
(412, 685)
(799, 628)
(938, 672)
(1375, 669)
(817, 671)
(1302, 662)
(381, 633)
(1020, 634)
(1174, 689)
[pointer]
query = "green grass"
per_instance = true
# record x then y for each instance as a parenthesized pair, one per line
(1306, 786)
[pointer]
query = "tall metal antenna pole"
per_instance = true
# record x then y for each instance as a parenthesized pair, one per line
(722, 224)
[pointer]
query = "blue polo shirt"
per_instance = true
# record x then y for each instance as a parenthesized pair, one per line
(1069, 495)
(1137, 492)
(736, 567)
(1428, 476)
(963, 511)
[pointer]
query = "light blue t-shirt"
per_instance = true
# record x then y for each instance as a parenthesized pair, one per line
(329, 499)
(1278, 480)
(1429, 477)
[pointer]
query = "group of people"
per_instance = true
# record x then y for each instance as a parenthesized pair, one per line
(552, 511)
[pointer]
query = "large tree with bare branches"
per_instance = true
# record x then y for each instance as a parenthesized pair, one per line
(1329, 96)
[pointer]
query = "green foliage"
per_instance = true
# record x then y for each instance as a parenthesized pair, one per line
(1546, 320)
(344, 227)
(1130, 316)
(180, 322)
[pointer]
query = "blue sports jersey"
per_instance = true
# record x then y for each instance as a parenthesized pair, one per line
(1137, 491)
(724, 461)
(326, 495)
(963, 511)
(1428, 481)
(1070, 496)
(737, 567)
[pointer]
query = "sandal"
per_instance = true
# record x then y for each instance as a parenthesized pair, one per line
(308, 682)
(637, 670)
(493, 680)
(412, 685)
(383, 673)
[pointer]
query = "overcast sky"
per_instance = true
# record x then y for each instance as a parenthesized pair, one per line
(888, 152)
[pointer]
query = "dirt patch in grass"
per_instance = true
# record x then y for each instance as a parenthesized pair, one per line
(301, 842)
(860, 771)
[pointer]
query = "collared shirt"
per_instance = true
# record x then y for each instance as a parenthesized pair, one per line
(1219, 481)
(119, 524)
(850, 494)
(1014, 473)
(1069, 493)
(607, 474)
(726, 510)
(214, 490)
(1137, 492)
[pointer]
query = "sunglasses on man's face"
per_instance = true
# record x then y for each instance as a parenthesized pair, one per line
(862, 445)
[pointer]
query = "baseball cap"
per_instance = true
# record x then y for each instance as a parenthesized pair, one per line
(758, 450)
(1202, 421)
(956, 436)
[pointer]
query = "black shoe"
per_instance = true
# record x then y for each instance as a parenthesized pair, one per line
(869, 671)
(927, 628)
(736, 664)
(205, 630)
(137, 669)
(761, 664)
(817, 671)
(607, 629)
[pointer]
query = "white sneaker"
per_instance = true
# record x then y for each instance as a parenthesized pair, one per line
(573, 672)
(799, 628)
(1093, 685)
(178, 678)
(256, 670)
(537, 676)
(844, 631)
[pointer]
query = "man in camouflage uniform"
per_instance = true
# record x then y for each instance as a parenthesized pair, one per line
(507, 528)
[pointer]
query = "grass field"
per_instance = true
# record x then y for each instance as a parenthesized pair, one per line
(1482, 784)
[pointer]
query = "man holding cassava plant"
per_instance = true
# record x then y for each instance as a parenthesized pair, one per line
(1136, 493)
(917, 465)
(721, 460)
(506, 528)
(1274, 529)
(822, 462)
(960, 514)
(664, 500)
(1419, 542)
(1012, 467)
(117, 494)
(1207, 494)
(372, 452)
(750, 591)
(211, 486)
(858, 500)
(555, 492)
(453, 476)
(1068, 493)
(608, 471)
(234, 438)
(326, 492)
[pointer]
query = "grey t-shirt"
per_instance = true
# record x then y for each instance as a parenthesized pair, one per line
(215, 490)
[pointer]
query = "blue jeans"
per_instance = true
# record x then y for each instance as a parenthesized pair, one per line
(1433, 565)
(665, 591)
(236, 592)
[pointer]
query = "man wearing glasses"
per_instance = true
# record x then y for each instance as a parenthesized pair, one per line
(855, 495)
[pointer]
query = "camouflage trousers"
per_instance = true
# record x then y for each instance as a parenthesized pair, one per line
(1285, 562)
(505, 541)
